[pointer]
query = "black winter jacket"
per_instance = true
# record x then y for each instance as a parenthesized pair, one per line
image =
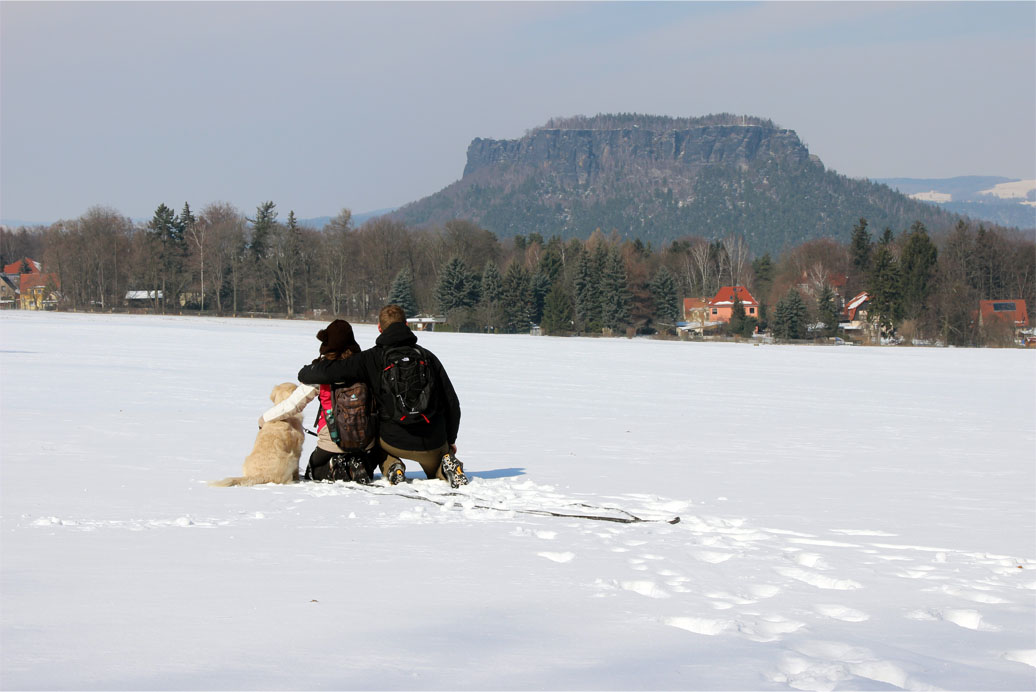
(367, 367)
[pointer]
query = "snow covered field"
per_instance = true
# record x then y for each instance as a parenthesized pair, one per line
(851, 518)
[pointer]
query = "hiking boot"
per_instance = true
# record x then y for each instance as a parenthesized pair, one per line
(395, 473)
(357, 471)
(339, 468)
(453, 471)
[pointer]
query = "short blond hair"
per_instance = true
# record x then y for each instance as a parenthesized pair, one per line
(390, 314)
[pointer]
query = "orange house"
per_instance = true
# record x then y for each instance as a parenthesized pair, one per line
(721, 307)
(1012, 310)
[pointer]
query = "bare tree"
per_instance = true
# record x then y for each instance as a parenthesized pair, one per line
(737, 258)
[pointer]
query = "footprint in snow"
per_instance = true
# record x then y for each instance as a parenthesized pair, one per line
(962, 617)
(820, 581)
(558, 557)
(840, 612)
(645, 588)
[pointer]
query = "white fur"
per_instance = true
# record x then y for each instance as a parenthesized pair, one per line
(278, 445)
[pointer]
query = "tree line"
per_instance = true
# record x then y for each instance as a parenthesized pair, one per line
(222, 261)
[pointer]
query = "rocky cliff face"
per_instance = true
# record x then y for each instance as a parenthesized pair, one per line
(581, 157)
(659, 179)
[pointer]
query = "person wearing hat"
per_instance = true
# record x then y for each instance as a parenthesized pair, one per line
(329, 461)
(427, 436)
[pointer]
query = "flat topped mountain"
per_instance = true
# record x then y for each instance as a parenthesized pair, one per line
(658, 179)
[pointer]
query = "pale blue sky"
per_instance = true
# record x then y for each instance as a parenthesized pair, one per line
(324, 105)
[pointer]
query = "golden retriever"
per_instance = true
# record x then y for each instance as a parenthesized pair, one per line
(278, 445)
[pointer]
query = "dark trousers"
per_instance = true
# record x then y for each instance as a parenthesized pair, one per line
(319, 468)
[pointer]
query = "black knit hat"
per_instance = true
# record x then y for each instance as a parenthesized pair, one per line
(337, 337)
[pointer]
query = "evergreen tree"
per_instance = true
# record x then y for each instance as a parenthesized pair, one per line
(262, 226)
(516, 298)
(492, 284)
(860, 248)
(402, 292)
(667, 302)
(587, 298)
(456, 287)
(789, 322)
(166, 236)
(615, 294)
(917, 262)
(826, 310)
(557, 311)
(551, 263)
(540, 287)
(490, 310)
(737, 316)
(763, 269)
(886, 293)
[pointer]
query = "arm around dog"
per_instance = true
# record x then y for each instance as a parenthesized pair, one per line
(295, 403)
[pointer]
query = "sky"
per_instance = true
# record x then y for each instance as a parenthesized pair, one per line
(320, 106)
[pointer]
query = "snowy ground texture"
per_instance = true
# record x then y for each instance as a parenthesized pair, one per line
(851, 518)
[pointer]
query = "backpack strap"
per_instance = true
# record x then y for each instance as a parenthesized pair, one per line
(329, 419)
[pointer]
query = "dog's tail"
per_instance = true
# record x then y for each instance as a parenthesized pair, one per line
(227, 482)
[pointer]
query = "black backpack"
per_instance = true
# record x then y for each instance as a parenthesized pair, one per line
(407, 382)
(349, 422)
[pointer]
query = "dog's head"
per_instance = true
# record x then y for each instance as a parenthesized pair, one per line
(282, 392)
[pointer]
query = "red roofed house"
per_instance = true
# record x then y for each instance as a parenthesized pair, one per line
(721, 307)
(1009, 309)
(23, 266)
(37, 291)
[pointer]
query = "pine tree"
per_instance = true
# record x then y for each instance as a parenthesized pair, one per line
(737, 316)
(614, 292)
(492, 286)
(917, 263)
(262, 226)
(402, 292)
(826, 310)
(540, 287)
(491, 292)
(860, 248)
(587, 298)
(667, 302)
(886, 293)
(789, 322)
(516, 298)
(166, 236)
(456, 287)
(557, 311)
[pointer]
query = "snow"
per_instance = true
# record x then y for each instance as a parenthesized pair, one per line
(850, 518)
(932, 196)
(1018, 189)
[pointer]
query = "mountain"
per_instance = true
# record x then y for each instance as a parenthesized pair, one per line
(319, 222)
(1004, 201)
(659, 178)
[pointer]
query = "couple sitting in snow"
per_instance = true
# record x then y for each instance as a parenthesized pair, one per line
(415, 409)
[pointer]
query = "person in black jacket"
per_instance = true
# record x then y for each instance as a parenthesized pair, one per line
(431, 442)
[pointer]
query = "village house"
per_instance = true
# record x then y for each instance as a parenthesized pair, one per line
(721, 307)
(38, 291)
(8, 292)
(1011, 310)
(25, 286)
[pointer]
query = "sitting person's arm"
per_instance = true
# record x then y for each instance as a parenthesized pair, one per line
(294, 404)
